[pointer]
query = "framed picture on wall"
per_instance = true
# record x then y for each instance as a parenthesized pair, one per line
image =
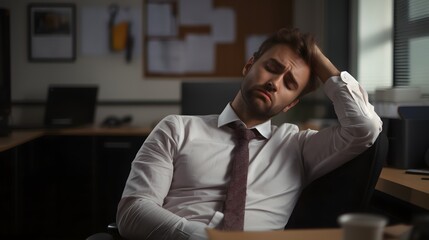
(51, 32)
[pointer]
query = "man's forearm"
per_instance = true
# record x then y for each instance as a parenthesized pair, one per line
(323, 67)
(143, 219)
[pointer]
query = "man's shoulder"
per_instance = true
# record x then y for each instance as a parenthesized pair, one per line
(285, 127)
(291, 133)
(191, 119)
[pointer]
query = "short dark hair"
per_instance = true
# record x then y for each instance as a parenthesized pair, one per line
(302, 43)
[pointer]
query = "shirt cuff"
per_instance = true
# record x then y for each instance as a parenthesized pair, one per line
(196, 230)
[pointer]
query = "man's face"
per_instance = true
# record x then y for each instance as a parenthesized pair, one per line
(273, 83)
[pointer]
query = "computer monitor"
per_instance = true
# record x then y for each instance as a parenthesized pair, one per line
(202, 98)
(70, 105)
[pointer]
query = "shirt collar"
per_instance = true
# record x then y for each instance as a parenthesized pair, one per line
(228, 115)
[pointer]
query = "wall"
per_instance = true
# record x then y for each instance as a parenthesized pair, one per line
(122, 88)
(329, 21)
(117, 80)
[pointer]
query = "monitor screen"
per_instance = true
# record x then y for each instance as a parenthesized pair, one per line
(70, 105)
(202, 98)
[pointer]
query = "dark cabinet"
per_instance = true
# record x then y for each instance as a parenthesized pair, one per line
(57, 188)
(114, 158)
(63, 187)
(14, 164)
(9, 190)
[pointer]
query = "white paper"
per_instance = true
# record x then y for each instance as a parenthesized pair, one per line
(200, 53)
(223, 25)
(195, 12)
(166, 56)
(52, 47)
(160, 20)
(95, 29)
(195, 54)
(252, 44)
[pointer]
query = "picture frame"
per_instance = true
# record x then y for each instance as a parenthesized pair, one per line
(51, 32)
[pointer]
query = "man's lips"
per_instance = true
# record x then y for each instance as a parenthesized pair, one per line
(264, 93)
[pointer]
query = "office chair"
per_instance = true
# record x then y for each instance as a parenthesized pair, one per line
(348, 188)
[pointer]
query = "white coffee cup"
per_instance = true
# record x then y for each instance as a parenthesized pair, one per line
(362, 226)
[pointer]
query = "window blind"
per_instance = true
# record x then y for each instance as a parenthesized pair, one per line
(411, 43)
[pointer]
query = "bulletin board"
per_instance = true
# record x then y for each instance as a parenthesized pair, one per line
(207, 38)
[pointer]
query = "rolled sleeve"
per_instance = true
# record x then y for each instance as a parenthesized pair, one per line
(359, 127)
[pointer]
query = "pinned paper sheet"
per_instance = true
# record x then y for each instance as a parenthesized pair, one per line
(195, 54)
(161, 21)
(200, 53)
(252, 44)
(223, 25)
(94, 32)
(166, 56)
(195, 12)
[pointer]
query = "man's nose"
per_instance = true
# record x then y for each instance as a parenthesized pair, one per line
(271, 86)
(274, 83)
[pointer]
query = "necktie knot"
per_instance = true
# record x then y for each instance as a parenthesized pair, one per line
(242, 133)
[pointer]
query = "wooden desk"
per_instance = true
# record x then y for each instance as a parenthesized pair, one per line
(310, 234)
(394, 232)
(17, 138)
(407, 187)
(100, 131)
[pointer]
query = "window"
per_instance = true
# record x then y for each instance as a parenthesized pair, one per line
(372, 43)
(411, 44)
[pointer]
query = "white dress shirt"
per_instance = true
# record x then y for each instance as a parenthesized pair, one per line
(177, 184)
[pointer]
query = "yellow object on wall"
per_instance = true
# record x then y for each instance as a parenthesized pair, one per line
(119, 36)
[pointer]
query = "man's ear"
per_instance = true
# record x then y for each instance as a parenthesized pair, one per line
(291, 105)
(248, 65)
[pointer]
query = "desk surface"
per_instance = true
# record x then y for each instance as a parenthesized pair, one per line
(407, 187)
(310, 234)
(394, 232)
(17, 138)
(100, 131)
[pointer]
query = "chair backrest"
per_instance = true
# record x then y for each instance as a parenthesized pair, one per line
(201, 98)
(348, 188)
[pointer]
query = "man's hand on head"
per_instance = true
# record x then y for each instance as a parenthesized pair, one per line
(323, 67)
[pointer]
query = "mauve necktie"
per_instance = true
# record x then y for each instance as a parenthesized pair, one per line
(236, 193)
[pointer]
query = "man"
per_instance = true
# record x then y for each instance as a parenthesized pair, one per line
(179, 179)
